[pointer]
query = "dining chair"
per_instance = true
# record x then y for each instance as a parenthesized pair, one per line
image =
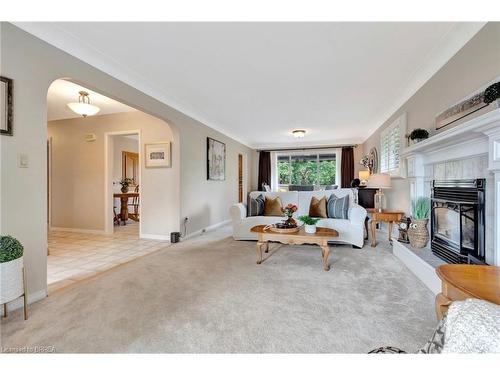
(134, 214)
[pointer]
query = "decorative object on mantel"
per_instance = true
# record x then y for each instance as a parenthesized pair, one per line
(469, 105)
(492, 95)
(418, 233)
(309, 223)
(12, 273)
(216, 160)
(404, 225)
(6, 106)
(379, 181)
(418, 135)
(125, 183)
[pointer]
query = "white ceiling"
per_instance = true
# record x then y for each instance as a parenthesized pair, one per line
(62, 92)
(258, 81)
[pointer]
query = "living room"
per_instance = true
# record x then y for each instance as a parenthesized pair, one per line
(332, 187)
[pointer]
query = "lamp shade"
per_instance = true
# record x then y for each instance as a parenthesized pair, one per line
(380, 181)
(364, 175)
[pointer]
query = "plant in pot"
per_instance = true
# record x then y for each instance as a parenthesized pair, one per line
(125, 183)
(418, 233)
(288, 211)
(309, 223)
(418, 135)
(11, 272)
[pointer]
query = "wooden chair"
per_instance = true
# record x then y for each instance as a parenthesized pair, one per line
(134, 214)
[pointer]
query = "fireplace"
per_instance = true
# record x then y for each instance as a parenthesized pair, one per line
(457, 221)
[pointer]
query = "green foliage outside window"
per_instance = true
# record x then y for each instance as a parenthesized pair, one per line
(305, 171)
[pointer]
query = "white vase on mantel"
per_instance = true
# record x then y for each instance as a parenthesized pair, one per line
(310, 228)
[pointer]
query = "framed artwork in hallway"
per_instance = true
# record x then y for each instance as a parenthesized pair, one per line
(6, 111)
(158, 155)
(216, 160)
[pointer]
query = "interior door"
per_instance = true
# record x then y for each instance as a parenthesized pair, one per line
(130, 166)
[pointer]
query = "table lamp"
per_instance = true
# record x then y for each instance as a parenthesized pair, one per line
(363, 177)
(379, 181)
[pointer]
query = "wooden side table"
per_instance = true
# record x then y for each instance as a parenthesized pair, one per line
(387, 216)
(462, 281)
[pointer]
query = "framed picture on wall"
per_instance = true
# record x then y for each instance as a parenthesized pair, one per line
(6, 106)
(158, 155)
(216, 160)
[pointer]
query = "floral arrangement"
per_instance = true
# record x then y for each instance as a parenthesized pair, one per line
(366, 162)
(289, 209)
(125, 182)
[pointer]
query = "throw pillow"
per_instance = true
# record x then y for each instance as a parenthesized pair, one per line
(337, 208)
(256, 205)
(272, 207)
(317, 207)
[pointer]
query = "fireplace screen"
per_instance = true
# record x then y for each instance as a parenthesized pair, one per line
(448, 224)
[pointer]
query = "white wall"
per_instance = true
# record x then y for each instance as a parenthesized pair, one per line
(78, 172)
(34, 65)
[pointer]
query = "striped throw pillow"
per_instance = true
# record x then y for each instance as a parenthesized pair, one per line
(337, 208)
(256, 205)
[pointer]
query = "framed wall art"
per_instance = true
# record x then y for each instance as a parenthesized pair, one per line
(6, 106)
(158, 155)
(216, 160)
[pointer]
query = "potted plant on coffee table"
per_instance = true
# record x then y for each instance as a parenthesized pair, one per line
(309, 223)
(418, 233)
(12, 275)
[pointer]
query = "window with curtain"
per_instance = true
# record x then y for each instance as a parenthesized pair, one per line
(318, 169)
(391, 144)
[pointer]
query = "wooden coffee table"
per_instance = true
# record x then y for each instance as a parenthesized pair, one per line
(319, 238)
(462, 281)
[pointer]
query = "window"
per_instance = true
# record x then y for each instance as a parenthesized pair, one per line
(391, 143)
(307, 169)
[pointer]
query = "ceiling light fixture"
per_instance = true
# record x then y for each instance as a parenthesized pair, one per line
(299, 133)
(83, 107)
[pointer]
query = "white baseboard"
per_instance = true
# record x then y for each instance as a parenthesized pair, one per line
(423, 270)
(149, 236)
(78, 230)
(32, 297)
(207, 229)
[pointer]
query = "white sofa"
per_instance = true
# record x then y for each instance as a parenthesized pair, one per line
(351, 231)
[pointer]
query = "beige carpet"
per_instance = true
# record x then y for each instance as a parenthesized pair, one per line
(208, 295)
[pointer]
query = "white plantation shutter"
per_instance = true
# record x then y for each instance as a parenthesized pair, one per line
(391, 143)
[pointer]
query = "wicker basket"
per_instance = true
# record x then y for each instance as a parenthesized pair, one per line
(283, 230)
(418, 233)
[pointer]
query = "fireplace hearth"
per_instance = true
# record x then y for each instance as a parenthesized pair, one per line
(458, 220)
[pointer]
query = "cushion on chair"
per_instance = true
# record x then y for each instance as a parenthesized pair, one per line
(317, 207)
(337, 208)
(272, 207)
(255, 206)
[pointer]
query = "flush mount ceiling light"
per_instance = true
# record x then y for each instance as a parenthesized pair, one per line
(299, 133)
(83, 107)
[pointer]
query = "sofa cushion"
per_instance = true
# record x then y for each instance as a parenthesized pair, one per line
(272, 207)
(317, 207)
(337, 208)
(286, 197)
(255, 205)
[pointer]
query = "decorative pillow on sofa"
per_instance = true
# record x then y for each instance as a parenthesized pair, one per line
(272, 207)
(317, 207)
(255, 206)
(337, 208)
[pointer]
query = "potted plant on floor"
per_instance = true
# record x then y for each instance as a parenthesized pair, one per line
(12, 277)
(418, 233)
(309, 223)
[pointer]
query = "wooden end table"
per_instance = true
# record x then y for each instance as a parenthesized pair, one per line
(388, 216)
(319, 238)
(462, 281)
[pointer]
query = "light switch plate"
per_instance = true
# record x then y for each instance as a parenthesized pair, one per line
(22, 161)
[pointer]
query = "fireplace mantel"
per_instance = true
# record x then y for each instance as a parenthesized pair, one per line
(478, 136)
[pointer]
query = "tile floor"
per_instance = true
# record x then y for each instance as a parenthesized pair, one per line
(77, 256)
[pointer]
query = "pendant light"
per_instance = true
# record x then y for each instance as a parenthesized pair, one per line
(83, 107)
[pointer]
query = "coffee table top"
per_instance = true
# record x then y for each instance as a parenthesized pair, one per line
(482, 282)
(320, 232)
